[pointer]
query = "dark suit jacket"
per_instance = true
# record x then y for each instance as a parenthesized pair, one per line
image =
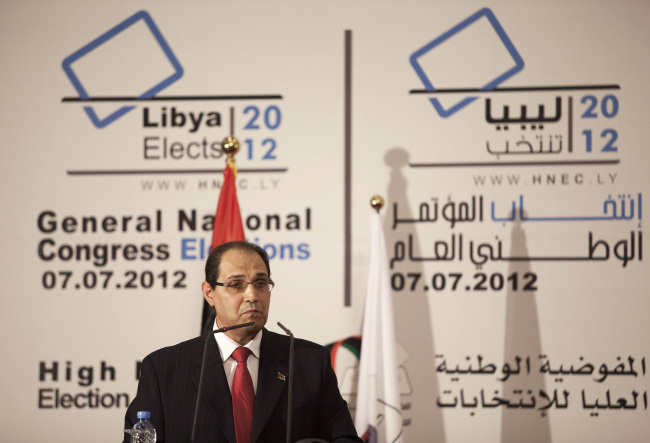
(169, 381)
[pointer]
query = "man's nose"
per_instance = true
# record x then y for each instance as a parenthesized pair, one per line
(250, 294)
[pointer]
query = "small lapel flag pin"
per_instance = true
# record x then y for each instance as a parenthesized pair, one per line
(282, 376)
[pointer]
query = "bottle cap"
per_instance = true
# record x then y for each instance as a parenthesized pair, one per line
(144, 414)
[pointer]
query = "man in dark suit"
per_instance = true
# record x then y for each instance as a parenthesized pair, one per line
(238, 286)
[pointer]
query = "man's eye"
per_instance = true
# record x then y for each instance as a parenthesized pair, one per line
(261, 284)
(237, 284)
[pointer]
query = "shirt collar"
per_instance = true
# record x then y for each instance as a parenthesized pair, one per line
(227, 345)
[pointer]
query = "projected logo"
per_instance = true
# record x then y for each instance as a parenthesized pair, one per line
(476, 54)
(345, 355)
(130, 61)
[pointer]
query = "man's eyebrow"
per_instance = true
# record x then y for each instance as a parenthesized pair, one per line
(259, 274)
(235, 276)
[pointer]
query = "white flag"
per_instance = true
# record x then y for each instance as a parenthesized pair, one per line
(378, 416)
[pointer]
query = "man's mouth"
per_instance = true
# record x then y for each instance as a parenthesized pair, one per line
(252, 312)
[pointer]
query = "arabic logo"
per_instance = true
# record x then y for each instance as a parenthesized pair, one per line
(447, 59)
(128, 41)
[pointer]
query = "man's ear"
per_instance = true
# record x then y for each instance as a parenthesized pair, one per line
(206, 289)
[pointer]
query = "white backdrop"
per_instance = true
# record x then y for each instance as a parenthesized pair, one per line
(513, 217)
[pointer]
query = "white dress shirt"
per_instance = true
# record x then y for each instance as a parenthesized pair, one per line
(227, 346)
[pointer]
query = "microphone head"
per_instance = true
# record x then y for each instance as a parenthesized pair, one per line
(286, 331)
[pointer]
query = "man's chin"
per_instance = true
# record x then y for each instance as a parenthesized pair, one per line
(258, 318)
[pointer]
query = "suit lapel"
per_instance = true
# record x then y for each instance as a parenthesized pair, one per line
(216, 401)
(274, 360)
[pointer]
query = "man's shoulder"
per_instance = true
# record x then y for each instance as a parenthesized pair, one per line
(285, 339)
(310, 345)
(187, 347)
(301, 346)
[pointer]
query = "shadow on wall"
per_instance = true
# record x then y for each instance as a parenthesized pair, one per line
(413, 329)
(522, 340)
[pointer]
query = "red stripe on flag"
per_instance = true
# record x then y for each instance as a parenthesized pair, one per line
(227, 221)
(333, 351)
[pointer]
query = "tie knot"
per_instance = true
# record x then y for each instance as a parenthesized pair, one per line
(241, 354)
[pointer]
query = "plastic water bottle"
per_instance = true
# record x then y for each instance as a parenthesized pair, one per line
(148, 432)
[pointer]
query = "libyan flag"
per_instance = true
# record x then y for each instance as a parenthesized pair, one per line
(227, 227)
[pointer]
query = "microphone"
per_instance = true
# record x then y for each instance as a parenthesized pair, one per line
(290, 394)
(228, 328)
(205, 347)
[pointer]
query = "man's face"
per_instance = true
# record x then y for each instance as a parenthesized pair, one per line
(236, 308)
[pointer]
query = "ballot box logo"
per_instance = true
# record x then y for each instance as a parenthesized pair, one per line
(129, 61)
(476, 54)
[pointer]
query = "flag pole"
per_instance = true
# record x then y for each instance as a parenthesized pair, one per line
(230, 146)
(227, 224)
(377, 202)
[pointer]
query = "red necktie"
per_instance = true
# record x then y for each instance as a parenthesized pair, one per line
(243, 397)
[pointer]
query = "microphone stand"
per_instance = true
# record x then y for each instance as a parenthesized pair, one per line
(290, 394)
(205, 347)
